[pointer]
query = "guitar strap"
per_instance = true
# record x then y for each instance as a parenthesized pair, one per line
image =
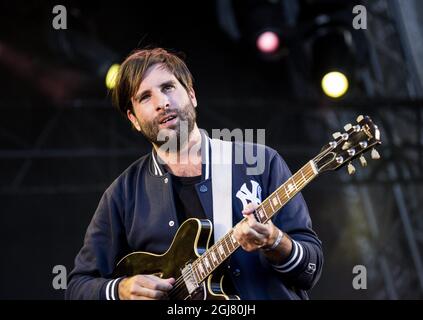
(221, 154)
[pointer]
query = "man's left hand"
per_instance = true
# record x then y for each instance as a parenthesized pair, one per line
(253, 235)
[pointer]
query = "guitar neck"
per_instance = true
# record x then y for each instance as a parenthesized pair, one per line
(225, 246)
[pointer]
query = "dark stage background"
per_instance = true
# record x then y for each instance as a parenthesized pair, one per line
(62, 143)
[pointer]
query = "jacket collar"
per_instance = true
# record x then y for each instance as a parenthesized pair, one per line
(158, 169)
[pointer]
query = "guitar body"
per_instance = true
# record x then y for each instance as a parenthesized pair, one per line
(189, 243)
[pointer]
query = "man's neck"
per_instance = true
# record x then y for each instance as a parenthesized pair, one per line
(187, 161)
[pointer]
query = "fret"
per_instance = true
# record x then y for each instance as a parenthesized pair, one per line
(295, 179)
(280, 194)
(305, 180)
(225, 240)
(214, 258)
(196, 275)
(271, 206)
(234, 242)
(286, 191)
(207, 264)
(264, 212)
(221, 250)
(201, 269)
(261, 213)
(276, 201)
(291, 185)
(211, 260)
(295, 182)
(229, 243)
(224, 248)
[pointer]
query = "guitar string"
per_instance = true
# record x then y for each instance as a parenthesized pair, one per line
(285, 198)
(301, 182)
(226, 238)
(180, 280)
(286, 195)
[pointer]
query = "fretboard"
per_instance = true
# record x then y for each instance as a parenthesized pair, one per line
(225, 246)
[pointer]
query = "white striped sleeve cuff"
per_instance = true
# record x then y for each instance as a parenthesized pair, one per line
(296, 258)
(111, 289)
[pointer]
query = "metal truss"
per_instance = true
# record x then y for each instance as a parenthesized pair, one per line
(391, 242)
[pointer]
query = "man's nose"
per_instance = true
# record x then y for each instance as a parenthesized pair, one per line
(162, 102)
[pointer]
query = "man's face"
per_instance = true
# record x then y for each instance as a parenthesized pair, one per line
(161, 105)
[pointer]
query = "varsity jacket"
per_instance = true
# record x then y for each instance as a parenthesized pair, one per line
(137, 213)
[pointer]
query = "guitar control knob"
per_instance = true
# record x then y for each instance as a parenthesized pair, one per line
(339, 159)
(359, 118)
(374, 154)
(363, 161)
(351, 169)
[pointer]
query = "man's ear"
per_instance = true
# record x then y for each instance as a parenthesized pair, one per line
(133, 119)
(191, 94)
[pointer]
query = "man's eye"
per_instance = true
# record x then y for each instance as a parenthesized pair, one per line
(168, 87)
(144, 98)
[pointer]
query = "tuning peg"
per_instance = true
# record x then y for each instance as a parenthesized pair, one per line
(351, 169)
(332, 144)
(346, 145)
(363, 161)
(336, 135)
(348, 126)
(359, 118)
(351, 152)
(375, 155)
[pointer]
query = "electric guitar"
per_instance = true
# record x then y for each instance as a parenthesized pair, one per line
(195, 266)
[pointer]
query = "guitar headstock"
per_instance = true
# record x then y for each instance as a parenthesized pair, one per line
(352, 143)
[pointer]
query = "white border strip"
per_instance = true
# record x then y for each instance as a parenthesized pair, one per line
(156, 165)
(206, 155)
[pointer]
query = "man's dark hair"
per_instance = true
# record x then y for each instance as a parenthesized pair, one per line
(133, 69)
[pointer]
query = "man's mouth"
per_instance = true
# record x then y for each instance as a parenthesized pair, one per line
(168, 121)
(168, 118)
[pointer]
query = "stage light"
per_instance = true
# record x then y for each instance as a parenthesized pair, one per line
(335, 84)
(265, 27)
(268, 42)
(111, 76)
(333, 61)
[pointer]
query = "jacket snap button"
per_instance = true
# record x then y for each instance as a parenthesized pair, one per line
(171, 223)
(236, 272)
(166, 180)
(203, 188)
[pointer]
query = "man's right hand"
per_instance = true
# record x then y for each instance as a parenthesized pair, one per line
(145, 287)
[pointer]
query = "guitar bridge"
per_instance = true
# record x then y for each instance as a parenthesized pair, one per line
(189, 278)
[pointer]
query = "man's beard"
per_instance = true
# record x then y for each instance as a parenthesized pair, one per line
(178, 136)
